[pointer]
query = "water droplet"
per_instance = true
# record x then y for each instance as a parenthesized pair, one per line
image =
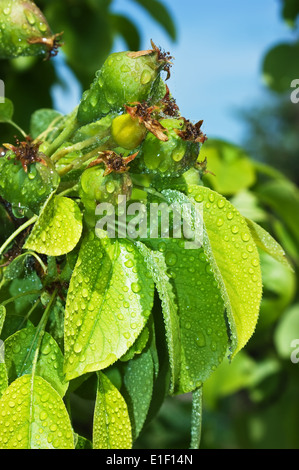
(135, 287)
(221, 203)
(77, 348)
(171, 259)
(235, 229)
(198, 198)
(245, 236)
(146, 77)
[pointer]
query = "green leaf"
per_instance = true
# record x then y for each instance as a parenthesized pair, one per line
(281, 66)
(108, 304)
(127, 29)
(83, 443)
(7, 225)
(232, 168)
(290, 12)
(6, 110)
(248, 205)
(286, 335)
(202, 326)
(12, 324)
(33, 416)
(234, 260)
(41, 120)
(156, 265)
(3, 373)
(267, 243)
(282, 197)
(138, 379)
(161, 14)
(279, 284)
(111, 425)
(20, 349)
(138, 346)
(2, 317)
(58, 228)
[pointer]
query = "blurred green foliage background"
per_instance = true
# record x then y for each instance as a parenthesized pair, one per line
(252, 402)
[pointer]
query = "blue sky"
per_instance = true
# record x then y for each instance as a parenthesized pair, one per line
(218, 55)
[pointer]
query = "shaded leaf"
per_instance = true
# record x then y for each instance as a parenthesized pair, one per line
(41, 120)
(281, 66)
(127, 29)
(282, 197)
(2, 317)
(138, 376)
(202, 326)
(286, 335)
(156, 265)
(6, 110)
(161, 14)
(20, 349)
(290, 11)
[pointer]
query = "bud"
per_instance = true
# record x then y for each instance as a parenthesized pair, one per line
(24, 31)
(125, 77)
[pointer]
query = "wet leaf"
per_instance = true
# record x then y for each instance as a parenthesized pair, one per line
(156, 265)
(234, 259)
(108, 304)
(41, 120)
(202, 326)
(31, 414)
(20, 349)
(111, 425)
(138, 376)
(58, 228)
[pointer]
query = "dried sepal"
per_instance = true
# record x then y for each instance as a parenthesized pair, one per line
(113, 161)
(143, 113)
(27, 152)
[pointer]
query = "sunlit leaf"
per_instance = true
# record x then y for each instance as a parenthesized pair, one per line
(111, 423)
(231, 167)
(33, 416)
(58, 228)
(109, 301)
(234, 259)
